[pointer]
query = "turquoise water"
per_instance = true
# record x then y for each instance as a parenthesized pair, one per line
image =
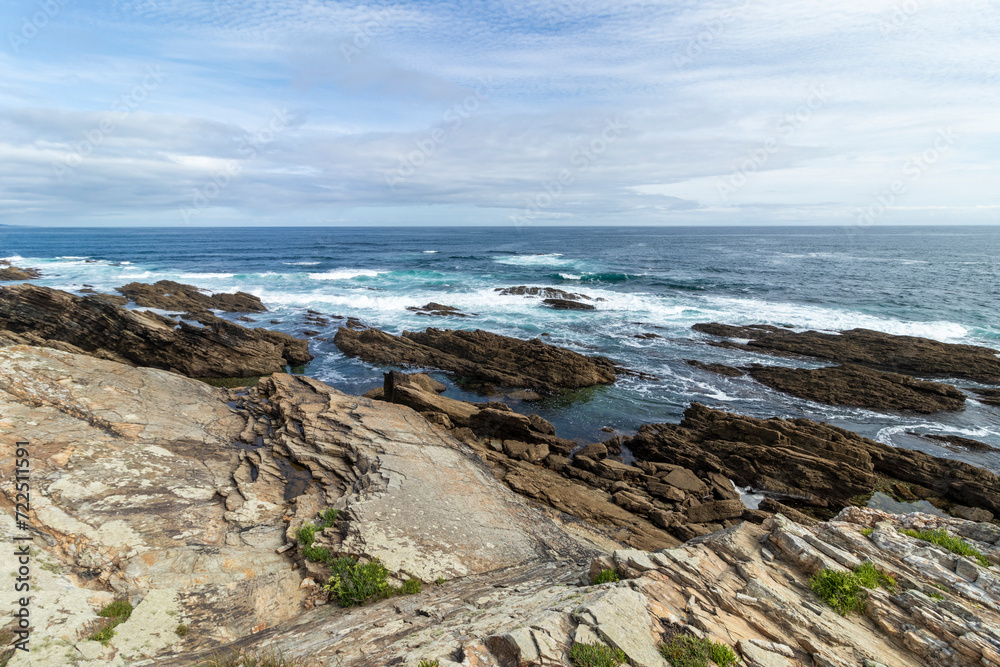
(939, 283)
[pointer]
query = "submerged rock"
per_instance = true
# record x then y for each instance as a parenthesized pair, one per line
(874, 349)
(544, 292)
(479, 357)
(438, 310)
(92, 325)
(566, 304)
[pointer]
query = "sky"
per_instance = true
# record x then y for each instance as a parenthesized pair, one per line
(567, 112)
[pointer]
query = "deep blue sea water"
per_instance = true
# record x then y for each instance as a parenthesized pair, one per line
(936, 282)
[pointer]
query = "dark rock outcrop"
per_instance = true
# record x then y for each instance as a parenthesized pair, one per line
(169, 295)
(438, 310)
(813, 464)
(874, 349)
(566, 304)
(857, 386)
(479, 357)
(544, 292)
(10, 272)
(988, 396)
(92, 325)
(718, 369)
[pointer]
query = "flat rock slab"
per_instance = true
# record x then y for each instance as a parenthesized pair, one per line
(480, 357)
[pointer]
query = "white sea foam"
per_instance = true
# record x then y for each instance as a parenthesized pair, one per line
(345, 274)
(204, 276)
(430, 252)
(754, 311)
(300, 263)
(551, 259)
(569, 276)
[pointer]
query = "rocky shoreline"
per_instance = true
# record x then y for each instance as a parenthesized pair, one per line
(226, 510)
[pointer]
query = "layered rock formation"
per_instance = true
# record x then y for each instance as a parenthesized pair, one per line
(874, 349)
(437, 310)
(544, 293)
(851, 385)
(169, 295)
(92, 325)
(478, 358)
(815, 465)
(10, 272)
(746, 587)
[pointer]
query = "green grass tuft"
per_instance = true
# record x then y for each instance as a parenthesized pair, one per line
(871, 577)
(867, 532)
(953, 544)
(604, 577)
(428, 663)
(120, 609)
(596, 655)
(722, 655)
(688, 651)
(306, 534)
(841, 590)
(410, 587)
(354, 583)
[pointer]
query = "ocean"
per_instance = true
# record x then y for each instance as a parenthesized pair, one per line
(935, 282)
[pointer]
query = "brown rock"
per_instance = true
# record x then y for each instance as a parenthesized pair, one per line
(857, 386)
(895, 354)
(716, 511)
(596, 451)
(566, 304)
(437, 310)
(633, 502)
(718, 369)
(10, 272)
(685, 480)
(169, 295)
(94, 326)
(822, 465)
(480, 357)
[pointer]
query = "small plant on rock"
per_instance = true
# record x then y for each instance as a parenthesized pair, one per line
(428, 663)
(953, 544)
(181, 630)
(410, 587)
(354, 583)
(685, 650)
(604, 577)
(867, 532)
(111, 615)
(841, 590)
(871, 577)
(596, 655)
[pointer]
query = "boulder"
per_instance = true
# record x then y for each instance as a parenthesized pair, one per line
(716, 511)
(566, 304)
(478, 357)
(544, 292)
(92, 325)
